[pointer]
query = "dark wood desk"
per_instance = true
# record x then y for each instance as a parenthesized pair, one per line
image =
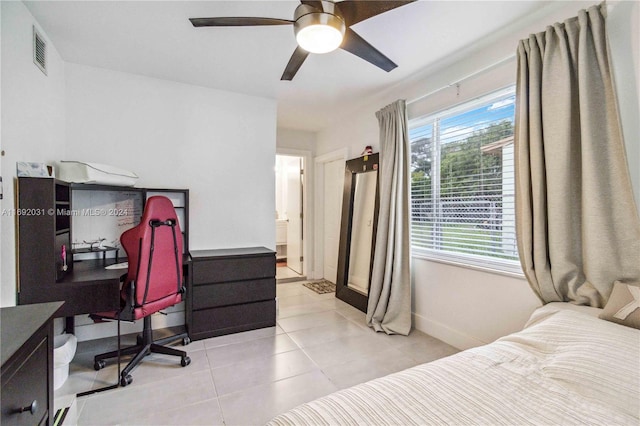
(86, 288)
(26, 394)
(46, 228)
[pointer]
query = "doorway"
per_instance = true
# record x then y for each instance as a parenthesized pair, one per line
(290, 265)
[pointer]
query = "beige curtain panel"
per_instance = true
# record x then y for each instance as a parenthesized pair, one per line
(389, 307)
(577, 224)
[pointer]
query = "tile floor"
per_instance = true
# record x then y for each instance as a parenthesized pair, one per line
(285, 274)
(319, 345)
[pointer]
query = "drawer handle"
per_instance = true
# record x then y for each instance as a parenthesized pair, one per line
(31, 408)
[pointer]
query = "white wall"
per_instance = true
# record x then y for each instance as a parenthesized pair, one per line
(623, 30)
(462, 306)
(295, 139)
(283, 164)
(219, 145)
(33, 120)
(1, 152)
(467, 307)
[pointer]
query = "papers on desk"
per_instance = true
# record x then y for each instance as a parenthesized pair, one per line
(123, 265)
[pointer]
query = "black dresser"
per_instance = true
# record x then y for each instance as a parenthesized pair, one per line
(232, 290)
(26, 396)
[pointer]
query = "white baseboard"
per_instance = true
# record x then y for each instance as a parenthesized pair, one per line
(445, 333)
(93, 331)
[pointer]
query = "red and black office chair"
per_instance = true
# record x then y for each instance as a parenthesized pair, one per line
(154, 282)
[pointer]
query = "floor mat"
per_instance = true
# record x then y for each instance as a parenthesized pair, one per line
(321, 287)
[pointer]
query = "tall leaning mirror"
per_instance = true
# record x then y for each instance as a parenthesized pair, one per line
(358, 230)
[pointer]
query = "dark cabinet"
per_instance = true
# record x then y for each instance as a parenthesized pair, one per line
(232, 290)
(26, 395)
(44, 233)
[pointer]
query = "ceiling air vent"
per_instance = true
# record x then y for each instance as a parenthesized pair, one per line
(39, 51)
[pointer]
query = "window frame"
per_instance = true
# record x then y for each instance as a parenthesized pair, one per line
(507, 267)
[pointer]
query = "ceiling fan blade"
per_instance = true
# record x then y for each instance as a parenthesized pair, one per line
(237, 22)
(354, 11)
(298, 57)
(358, 46)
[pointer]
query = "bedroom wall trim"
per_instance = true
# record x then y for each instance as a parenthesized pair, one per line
(445, 333)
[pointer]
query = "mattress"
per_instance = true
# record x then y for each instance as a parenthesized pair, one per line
(566, 367)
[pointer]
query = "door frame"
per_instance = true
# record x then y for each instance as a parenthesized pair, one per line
(319, 162)
(307, 206)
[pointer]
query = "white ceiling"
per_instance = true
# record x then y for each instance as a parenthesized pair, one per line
(157, 40)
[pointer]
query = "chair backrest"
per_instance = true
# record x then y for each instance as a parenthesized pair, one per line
(154, 252)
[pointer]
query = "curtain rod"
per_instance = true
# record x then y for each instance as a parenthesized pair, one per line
(466, 77)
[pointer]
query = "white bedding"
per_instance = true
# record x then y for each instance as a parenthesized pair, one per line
(565, 367)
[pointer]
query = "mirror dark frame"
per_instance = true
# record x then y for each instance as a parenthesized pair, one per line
(365, 164)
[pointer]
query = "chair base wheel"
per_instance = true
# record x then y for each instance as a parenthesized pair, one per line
(126, 380)
(185, 361)
(186, 341)
(99, 365)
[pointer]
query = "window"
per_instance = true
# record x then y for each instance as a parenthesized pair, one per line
(462, 184)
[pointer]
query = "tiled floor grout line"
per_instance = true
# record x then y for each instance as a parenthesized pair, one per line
(298, 347)
(334, 315)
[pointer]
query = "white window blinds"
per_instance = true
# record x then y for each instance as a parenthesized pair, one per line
(462, 183)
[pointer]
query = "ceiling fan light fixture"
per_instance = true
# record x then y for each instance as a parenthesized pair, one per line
(321, 26)
(319, 32)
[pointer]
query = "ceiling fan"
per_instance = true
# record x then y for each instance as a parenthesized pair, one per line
(321, 26)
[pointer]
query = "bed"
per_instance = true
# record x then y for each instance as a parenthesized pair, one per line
(566, 366)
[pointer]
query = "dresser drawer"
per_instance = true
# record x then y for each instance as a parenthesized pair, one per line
(233, 269)
(232, 319)
(28, 383)
(231, 293)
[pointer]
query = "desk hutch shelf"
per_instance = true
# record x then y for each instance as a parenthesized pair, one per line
(44, 227)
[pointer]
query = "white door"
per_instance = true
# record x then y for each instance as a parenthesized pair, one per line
(293, 170)
(333, 188)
